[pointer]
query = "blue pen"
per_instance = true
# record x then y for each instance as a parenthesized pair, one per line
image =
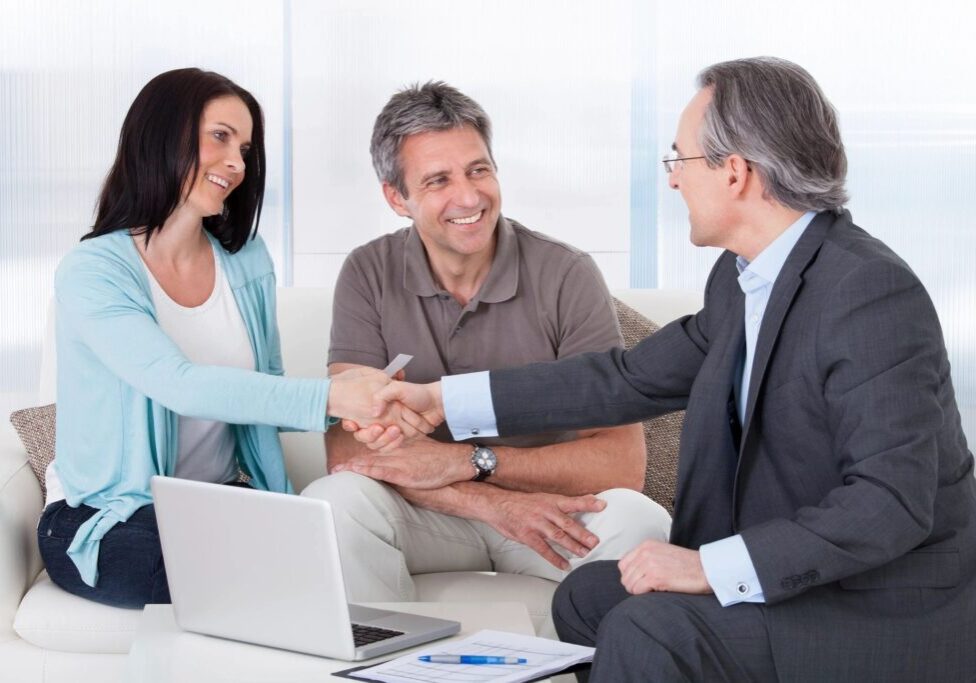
(470, 659)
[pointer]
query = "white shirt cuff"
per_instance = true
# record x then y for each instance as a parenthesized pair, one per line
(467, 405)
(730, 572)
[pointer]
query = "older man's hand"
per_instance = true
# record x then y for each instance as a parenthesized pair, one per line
(659, 566)
(352, 397)
(423, 400)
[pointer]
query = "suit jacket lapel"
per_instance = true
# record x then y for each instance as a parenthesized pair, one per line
(784, 291)
(707, 462)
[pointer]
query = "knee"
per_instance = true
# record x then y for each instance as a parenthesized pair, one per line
(629, 518)
(629, 644)
(583, 598)
(346, 491)
(566, 615)
(358, 503)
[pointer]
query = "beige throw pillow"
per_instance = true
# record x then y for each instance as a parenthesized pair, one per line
(35, 427)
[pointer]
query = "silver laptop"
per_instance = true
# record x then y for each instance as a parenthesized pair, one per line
(264, 568)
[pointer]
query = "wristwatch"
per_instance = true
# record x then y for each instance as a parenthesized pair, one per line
(485, 461)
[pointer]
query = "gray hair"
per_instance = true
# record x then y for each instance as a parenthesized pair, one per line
(772, 113)
(432, 106)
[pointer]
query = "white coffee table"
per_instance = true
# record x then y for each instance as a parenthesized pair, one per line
(164, 653)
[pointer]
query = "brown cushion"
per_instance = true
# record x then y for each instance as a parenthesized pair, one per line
(662, 434)
(35, 427)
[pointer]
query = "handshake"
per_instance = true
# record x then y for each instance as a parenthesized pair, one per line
(381, 411)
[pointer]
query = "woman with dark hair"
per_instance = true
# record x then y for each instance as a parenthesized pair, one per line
(168, 352)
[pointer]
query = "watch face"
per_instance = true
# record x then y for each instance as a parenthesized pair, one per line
(484, 459)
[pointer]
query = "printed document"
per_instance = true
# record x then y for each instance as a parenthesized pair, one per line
(544, 657)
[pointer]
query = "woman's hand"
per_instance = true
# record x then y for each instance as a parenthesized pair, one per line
(424, 399)
(420, 401)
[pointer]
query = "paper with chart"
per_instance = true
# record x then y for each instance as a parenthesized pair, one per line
(544, 657)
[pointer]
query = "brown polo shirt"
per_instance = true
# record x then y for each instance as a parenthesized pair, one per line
(542, 300)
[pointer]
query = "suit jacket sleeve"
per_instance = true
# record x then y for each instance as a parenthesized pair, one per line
(881, 360)
(603, 389)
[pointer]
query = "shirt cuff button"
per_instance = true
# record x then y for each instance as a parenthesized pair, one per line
(742, 588)
(475, 431)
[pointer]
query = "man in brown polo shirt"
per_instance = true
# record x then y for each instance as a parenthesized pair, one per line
(465, 289)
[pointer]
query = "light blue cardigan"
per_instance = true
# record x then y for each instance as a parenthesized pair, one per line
(122, 382)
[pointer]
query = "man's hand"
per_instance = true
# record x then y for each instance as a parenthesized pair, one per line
(659, 566)
(351, 396)
(422, 399)
(421, 464)
(541, 520)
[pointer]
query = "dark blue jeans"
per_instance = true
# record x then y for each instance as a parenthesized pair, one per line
(130, 560)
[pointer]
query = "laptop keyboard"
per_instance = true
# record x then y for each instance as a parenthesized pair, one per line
(364, 635)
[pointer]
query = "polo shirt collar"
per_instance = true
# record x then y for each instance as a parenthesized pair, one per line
(501, 283)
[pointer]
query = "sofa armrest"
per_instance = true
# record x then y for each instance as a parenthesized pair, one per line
(20, 508)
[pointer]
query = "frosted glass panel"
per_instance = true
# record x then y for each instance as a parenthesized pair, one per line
(68, 72)
(553, 76)
(907, 118)
(584, 96)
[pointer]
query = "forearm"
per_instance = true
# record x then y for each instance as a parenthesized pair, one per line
(340, 447)
(462, 499)
(598, 460)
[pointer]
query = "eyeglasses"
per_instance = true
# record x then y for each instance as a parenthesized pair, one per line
(671, 159)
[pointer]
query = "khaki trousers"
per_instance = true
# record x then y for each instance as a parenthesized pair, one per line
(383, 539)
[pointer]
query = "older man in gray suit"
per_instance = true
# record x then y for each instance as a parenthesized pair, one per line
(825, 489)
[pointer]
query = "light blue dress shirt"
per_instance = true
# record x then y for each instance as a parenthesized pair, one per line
(728, 568)
(468, 409)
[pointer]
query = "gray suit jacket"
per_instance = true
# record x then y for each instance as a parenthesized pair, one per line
(850, 480)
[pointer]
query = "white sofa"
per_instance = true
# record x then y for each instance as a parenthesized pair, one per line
(47, 635)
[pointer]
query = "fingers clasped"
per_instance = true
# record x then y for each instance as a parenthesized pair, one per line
(383, 413)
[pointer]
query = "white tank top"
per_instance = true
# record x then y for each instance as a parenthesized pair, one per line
(212, 333)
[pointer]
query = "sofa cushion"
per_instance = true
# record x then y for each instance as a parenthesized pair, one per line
(35, 427)
(662, 434)
(53, 619)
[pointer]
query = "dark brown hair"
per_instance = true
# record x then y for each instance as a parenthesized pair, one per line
(159, 149)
